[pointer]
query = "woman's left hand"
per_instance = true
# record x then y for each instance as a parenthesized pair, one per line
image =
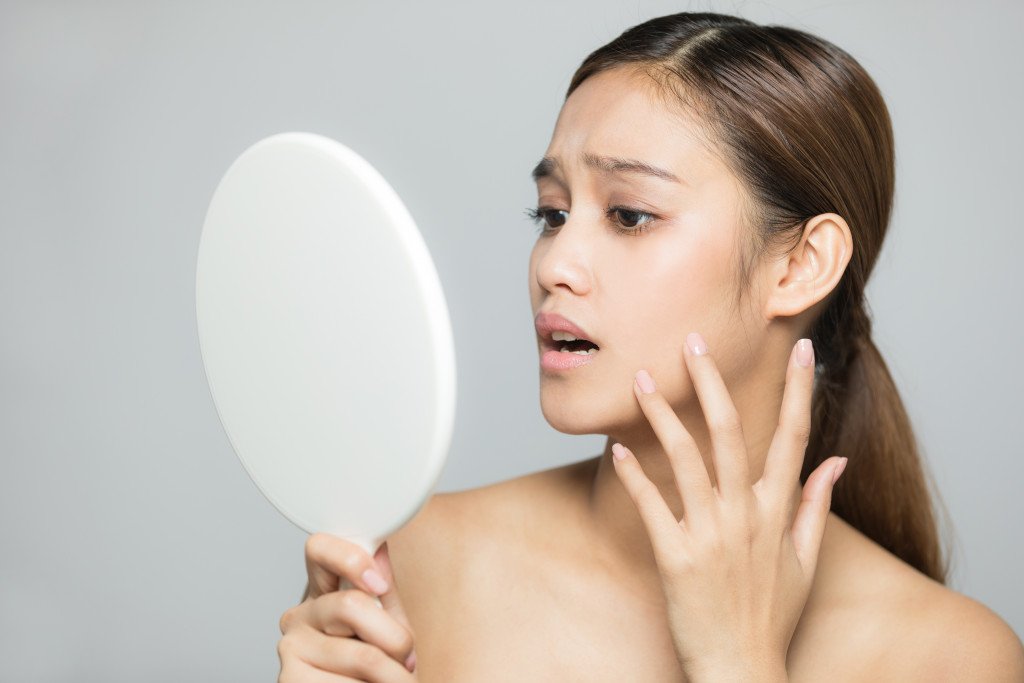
(737, 568)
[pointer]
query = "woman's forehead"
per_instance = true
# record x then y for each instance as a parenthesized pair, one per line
(619, 113)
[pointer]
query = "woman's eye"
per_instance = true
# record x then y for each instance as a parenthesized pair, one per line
(624, 219)
(633, 223)
(543, 215)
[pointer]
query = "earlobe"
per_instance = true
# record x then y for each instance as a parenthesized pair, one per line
(810, 271)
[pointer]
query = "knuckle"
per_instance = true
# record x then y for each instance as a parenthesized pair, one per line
(739, 514)
(676, 563)
(729, 424)
(405, 641)
(288, 673)
(316, 545)
(313, 543)
(352, 561)
(367, 658)
(286, 648)
(709, 539)
(678, 445)
(287, 619)
(350, 601)
(743, 525)
(321, 548)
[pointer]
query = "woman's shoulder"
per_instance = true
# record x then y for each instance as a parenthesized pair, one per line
(963, 639)
(449, 551)
(515, 499)
(920, 628)
(957, 637)
(887, 616)
(453, 527)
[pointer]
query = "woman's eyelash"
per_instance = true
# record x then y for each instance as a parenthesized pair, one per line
(539, 216)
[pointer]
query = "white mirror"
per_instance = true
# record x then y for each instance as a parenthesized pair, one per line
(325, 337)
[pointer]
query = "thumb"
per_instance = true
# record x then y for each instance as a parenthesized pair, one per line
(389, 600)
(809, 525)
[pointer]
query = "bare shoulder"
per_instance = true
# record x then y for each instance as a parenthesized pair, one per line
(424, 553)
(453, 527)
(454, 550)
(909, 625)
(426, 541)
(963, 639)
(492, 506)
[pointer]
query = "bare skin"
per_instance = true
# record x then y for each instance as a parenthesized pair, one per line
(551, 576)
(505, 583)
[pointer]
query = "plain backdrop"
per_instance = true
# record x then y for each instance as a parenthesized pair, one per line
(133, 546)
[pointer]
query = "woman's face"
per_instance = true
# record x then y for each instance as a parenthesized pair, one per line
(636, 295)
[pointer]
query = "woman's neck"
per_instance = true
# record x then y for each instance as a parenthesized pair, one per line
(617, 528)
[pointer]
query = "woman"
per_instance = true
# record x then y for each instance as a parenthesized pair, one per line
(711, 204)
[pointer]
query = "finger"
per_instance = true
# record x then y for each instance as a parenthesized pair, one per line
(789, 444)
(330, 559)
(361, 660)
(667, 538)
(688, 468)
(390, 600)
(730, 448)
(809, 525)
(300, 671)
(353, 612)
(392, 603)
(293, 652)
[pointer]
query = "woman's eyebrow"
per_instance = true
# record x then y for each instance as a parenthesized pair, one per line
(547, 166)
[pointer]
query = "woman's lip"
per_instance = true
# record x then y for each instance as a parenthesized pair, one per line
(554, 360)
(547, 322)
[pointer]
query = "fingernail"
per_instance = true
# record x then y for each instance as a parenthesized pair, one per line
(696, 344)
(618, 451)
(805, 353)
(375, 581)
(645, 381)
(410, 663)
(839, 469)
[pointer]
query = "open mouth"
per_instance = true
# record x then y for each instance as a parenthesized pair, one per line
(566, 343)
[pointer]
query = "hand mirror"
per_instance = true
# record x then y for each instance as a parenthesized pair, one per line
(325, 337)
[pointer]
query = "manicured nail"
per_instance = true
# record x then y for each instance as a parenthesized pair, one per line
(410, 663)
(839, 470)
(696, 344)
(645, 381)
(805, 353)
(618, 451)
(375, 581)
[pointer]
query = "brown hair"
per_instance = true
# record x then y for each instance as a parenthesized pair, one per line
(806, 129)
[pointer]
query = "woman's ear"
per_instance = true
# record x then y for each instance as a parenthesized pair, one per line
(812, 270)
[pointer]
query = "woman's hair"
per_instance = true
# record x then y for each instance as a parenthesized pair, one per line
(806, 130)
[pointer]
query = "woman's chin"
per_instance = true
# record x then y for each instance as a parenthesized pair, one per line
(577, 416)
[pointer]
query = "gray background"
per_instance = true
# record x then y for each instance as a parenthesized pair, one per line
(134, 546)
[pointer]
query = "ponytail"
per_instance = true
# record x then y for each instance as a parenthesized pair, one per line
(857, 412)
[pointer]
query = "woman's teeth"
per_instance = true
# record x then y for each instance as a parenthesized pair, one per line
(565, 336)
(582, 352)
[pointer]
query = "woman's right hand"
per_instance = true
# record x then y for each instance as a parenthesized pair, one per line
(338, 632)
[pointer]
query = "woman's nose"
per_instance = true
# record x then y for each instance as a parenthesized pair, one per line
(565, 257)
